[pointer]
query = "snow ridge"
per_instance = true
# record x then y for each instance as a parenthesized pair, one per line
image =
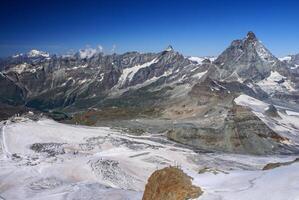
(128, 73)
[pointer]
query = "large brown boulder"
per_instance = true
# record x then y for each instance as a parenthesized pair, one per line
(170, 183)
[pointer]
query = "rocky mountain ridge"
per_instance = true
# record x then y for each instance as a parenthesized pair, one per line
(193, 98)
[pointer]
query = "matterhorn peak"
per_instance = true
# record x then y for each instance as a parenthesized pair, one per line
(251, 36)
(169, 48)
(248, 58)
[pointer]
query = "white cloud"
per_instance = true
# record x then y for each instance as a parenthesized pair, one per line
(113, 48)
(100, 48)
(88, 52)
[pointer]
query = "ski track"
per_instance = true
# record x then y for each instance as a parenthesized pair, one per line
(3, 143)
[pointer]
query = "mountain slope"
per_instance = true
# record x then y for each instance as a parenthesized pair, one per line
(247, 59)
(190, 102)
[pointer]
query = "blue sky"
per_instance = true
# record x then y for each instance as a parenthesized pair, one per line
(193, 27)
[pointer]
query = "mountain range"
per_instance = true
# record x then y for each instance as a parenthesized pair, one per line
(243, 101)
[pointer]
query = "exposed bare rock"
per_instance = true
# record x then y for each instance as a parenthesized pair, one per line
(279, 164)
(170, 183)
(190, 98)
(247, 59)
(51, 149)
(271, 111)
(7, 110)
(240, 131)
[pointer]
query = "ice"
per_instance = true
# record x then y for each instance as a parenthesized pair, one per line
(286, 58)
(277, 184)
(48, 160)
(286, 125)
(292, 113)
(198, 60)
(254, 104)
(276, 82)
(200, 74)
(128, 73)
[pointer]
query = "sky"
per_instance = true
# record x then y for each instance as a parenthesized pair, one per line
(192, 27)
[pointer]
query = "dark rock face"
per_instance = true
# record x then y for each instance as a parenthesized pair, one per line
(241, 132)
(223, 126)
(51, 149)
(58, 82)
(247, 59)
(7, 110)
(270, 166)
(11, 92)
(272, 111)
(251, 36)
(294, 59)
(249, 133)
(292, 98)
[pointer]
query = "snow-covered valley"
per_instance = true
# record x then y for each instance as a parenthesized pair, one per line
(45, 159)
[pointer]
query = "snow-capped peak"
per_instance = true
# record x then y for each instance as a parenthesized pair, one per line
(199, 60)
(251, 35)
(251, 42)
(262, 51)
(35, 53)
(169, 48)
(286, 58)
(275, 76)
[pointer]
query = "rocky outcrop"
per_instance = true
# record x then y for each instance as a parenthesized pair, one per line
(279, 164)
(272, 111)
(240, 132)
(7, 111)
(170, 183)
(292, 59)
(216, 123)
(10, 92)
(250, 134)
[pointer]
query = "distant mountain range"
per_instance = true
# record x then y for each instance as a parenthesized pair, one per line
(208, 103)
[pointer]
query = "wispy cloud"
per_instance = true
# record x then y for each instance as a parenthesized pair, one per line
(100, 48)
(113, 48)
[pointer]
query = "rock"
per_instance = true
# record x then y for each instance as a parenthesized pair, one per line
(251, 35)
(247, 59)
(279, 164)
(241, 131)
(170, 183)
(7, 111)
(272, 111)
(51, 149)
(169, 48)
(96, 88)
